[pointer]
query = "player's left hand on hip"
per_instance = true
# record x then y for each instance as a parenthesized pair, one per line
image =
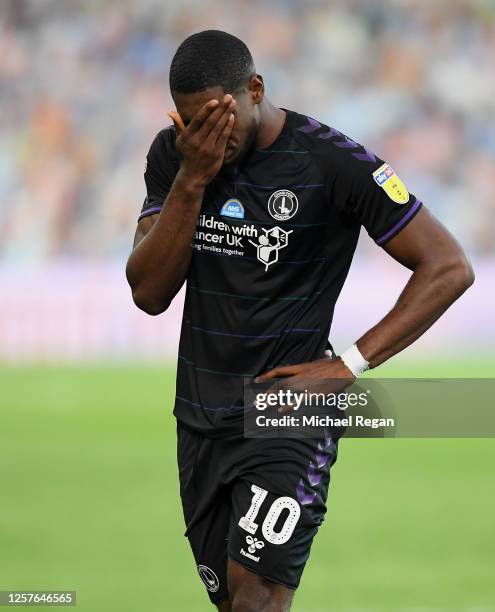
(319, 376)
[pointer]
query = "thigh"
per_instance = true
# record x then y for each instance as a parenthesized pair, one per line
(208, 541)
(278, 505)
(252, 592)
(206, 507)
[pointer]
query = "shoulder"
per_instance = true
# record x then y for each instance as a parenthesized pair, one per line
(163, 144)
(162, 161)
(330, 147)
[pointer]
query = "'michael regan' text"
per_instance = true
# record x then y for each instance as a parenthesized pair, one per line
(323, 421)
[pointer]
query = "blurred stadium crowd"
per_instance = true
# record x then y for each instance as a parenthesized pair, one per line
(84, 88)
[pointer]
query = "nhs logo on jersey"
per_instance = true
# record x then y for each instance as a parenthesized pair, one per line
(383, 174)
(233, 208)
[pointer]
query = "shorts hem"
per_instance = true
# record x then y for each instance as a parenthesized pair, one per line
(218, 598)
(260, 573)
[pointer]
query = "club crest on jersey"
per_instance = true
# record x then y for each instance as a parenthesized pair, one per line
(283, 204)
(269, 244)
(233, 208)
(386, 178)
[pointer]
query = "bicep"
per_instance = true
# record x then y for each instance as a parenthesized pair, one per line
(424, 239)
(160, 172)
(143, 228)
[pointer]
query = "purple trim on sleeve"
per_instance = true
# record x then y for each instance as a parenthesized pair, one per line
(149, 211)
(368, 156)
(400, 224)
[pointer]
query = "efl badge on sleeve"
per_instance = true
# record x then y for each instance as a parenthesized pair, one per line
(389, 181)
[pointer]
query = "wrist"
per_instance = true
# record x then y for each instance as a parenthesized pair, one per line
(346, 372)
(189, 182)
(354, 361)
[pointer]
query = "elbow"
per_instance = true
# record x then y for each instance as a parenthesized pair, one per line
(464, 274)
(143, 297)
(459, 274)
(149, 305)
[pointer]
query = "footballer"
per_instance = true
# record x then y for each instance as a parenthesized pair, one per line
(258, 209)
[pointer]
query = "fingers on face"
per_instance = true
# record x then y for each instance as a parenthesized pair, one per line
(213, 125)
(224, 136)
(203, 122)
(177, 119)
(221, 130)
(200, 117)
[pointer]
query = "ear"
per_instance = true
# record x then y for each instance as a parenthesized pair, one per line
(256, 88)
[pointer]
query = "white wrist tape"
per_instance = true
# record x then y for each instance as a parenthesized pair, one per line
(353, 359)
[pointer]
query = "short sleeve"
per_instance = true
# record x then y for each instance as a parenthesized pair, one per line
(161, 167)
(371, 192)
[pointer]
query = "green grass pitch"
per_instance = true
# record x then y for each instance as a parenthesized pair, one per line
(89, 502)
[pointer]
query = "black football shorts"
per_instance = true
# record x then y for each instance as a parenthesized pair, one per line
(257, 501)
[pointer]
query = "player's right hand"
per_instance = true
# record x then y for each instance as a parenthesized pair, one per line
(202, 143)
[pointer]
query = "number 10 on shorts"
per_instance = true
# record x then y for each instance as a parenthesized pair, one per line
(247, 522)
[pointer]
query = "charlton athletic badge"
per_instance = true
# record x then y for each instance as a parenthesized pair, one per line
(283, 205)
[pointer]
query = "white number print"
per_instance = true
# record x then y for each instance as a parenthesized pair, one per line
(282, 503)
(247, 523)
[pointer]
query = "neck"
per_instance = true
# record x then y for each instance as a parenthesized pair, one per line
(272, 121)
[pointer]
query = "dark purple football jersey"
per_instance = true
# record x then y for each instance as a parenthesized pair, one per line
(272, 248)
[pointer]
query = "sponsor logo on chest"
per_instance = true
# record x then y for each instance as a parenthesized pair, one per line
(217, 235)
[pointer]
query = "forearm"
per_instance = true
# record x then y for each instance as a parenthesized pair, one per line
(430, 291)
(159, 262)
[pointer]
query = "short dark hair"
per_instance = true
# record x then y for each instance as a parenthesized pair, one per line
(210, 58)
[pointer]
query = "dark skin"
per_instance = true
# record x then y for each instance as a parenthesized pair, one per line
(253, 593)
(216, 128)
